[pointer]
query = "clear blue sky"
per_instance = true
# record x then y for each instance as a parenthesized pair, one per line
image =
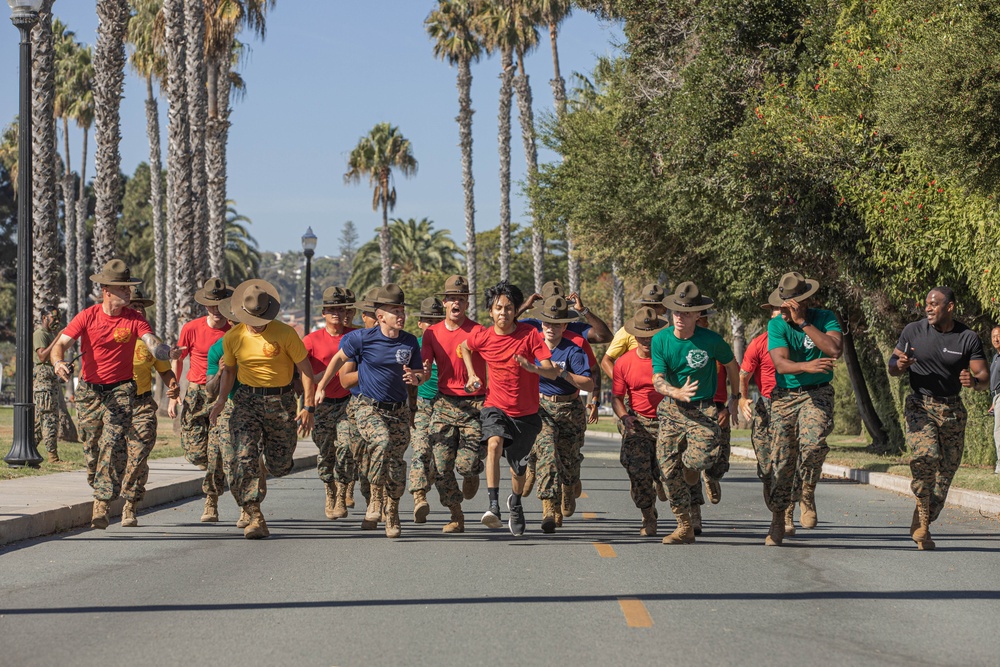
(326, 73)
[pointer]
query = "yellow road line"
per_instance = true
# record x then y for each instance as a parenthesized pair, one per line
(636, 615)
(583, 495)
(590, 515)
(605, 550)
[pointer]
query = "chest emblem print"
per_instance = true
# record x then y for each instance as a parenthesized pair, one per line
(697, 358)
(122, 335)
(142, 354)
(403, 356)
(271, 350)
(808, 342)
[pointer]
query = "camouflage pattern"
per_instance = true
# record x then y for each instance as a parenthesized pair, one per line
(216, 474)
(90, 416)
(456, 439)
(638, 457)
(800, 423)
(760, 436)
(721, 466)
(388, 435)
(260, 425)
(326, 432)
(195, 426)
(422, 469)
(141, 439)
(688, 437)
(45, 387)
(352, 452)
(935, 435)
(106, 418)
(218, 437)
(557, 447)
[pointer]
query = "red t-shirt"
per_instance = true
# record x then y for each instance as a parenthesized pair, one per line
(107, 343)
(321, 346)
(199, 338)
(581, 342)
(633, 375)
(757, 361)
(443, 348)
(721, 385)
(510, 388)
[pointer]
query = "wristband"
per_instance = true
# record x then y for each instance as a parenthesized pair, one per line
(310, 409)
(585, 311)
(596, 404)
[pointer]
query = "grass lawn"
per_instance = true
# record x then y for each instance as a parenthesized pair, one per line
(168, 444)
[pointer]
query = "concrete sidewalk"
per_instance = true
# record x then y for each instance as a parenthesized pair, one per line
(36, 506)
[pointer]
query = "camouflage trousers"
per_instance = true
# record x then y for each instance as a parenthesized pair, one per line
(935, 434)
(141, 439)
(456, 439)
(557, 447)
(760, 437)
(220, 441)
(721, 466)
(638, 457)
(105, 419)
(331, 427)
(800, 423)
(260, 425)
(688, 437)
(387, 433)
(45, 388)
(422, 469)
(352, 452)
(194, 425)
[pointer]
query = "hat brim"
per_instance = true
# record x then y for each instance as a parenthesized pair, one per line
(204, 299)
(349, 304)
(248, 318)
(776, 300)
(101, 279)
(431, 316)
(672, 304)
(146, 303)
(376, 304)
(632, 330)
(767, 306)
(571, 316)
(648, 302)
(452, 293)
(226, 310)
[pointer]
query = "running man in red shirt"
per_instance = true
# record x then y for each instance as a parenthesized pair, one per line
(108, 332)
(509, 418)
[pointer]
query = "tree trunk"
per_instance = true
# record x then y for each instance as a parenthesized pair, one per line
(468, 181)
(82, 206)
(866, 408)
(109, 77)
(156, 206)
(197, 94)
(45, 201)
(617, 299)
(527, 118)
(69, 215)
(559, 97)
(384, 239)
(215, 165)
(739, 337)
(506, 93)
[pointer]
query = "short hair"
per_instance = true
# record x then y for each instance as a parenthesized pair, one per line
(947, 293)
(504, 288)
(49, 308)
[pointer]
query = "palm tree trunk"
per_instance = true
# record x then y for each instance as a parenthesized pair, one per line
(45, 202)
(617, 298)
(215, 165)
(503, 138)
(527, 118)
(82, 206)
(384, 239)
(559, 97)
(109, 77)
(468, 181)
(197, 92)
(156, 205)
(69, 215)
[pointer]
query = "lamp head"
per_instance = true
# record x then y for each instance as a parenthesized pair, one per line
(25, 6)
(308, 239)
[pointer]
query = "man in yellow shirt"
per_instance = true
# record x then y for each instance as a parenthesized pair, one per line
(262, 355)
(652, 296)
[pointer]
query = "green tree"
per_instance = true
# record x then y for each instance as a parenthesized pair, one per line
(417, 248)
(242, 257)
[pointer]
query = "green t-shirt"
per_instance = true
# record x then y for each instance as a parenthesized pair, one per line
(800, 347)
(429, 389)
(41, 339)
(214, 354)
(677, 360)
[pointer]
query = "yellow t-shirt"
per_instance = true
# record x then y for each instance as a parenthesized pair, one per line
(143, 365)
(621, 343)
(266, 359)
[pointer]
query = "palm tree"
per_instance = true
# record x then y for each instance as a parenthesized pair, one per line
(416, 248)
(197, 101)
(67, 72)
(450, 26)
(242, 256)
(45, 201)
(83, 113)
(375, 156)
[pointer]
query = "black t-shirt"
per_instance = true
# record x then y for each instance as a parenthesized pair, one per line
(940, 356)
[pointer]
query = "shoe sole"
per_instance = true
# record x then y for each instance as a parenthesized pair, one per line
(516, 531)
(100, 524)
(420, 513)
(209, 519)
(130, 524)
(548, 525)
(491, 520)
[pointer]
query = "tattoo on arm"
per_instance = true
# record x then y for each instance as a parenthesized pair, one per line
(660, 384)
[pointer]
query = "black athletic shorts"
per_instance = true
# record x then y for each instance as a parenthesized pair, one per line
(519, 434)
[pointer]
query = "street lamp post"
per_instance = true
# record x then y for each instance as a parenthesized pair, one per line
(308, 249)
(24, 15)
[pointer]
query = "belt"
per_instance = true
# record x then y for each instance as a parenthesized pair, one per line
(947, 400)
(799, 390)
(466, 397)
(561, 398)
(336, 401)
(195, 385)
(108, 387)
(268, 391)
(145, 394)
(381, 405)
(702, 403)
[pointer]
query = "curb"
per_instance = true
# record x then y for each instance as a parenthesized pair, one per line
(980, 501)
(36, 506)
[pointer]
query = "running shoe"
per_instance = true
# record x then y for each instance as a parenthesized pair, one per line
(491, 518)
(516, 520)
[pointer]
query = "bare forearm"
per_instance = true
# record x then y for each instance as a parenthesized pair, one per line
(828, 343)
(661, 385)
(226, 384)
(599, 331)
(608, 366)
(744, 383)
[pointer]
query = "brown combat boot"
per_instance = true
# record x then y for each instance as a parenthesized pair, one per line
(421, 508)
(713, 490)
(99, 519)
(559, 515)
(661, 493)
(529, 481)
(695, 515)
(331, 500)
(808, 518)
(684, 533)
(470, 487)
(392, 527)
(244, 519)
(548, 515)
(257, 528)
(211, 512)
(922, 535)
(374, 512)
(915, 521)
(568, 501)
(790, 520)
(457, 523)
(777, 531)
(54, 458)
(340, 502)
(648, 522)
(577, 489)
(349, 496)
(129, 519)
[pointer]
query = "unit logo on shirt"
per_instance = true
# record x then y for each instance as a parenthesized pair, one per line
(559, 364)
(697, 358)
(271, 350)
(142, 353)
(403, 356)
(808, 343)
(122, 335)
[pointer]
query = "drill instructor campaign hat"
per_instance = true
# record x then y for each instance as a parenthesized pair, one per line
(115, 272)
(137, 296)
(455, 286)
(389, 295)
(337, 297)
(687, 298)
(212, 292)
(792, 286)
(431, 308)
(255, 302)
(555, 310)
(651, 295)
(645, 323)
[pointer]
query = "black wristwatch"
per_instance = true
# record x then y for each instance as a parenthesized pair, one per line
(310, 409)
(595, 403)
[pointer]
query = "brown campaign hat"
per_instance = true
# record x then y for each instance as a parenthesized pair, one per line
(792, 286)
(212, 292)
(137, 295)
(337, 297)
(687, 298)
(645, 323)
(255, 302)
(552, 288)
(651, 295)
(555, 310)
(350, 295)
(431, 308)
(226, 310)
(455, 286)
(115, 272)
(365, 305)
(389, 295)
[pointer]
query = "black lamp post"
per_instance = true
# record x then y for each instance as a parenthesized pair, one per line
(24, 15)
(308, 249)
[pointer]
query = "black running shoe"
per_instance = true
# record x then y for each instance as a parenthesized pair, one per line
(491, 518)
(516, 520)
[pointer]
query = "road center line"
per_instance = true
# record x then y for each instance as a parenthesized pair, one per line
(636, 615)
(590, 515)
(583, 495)
(605, 550)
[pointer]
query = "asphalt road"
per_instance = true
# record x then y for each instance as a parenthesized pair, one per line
(175, 591)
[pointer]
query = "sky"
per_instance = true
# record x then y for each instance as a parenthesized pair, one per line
(327, 72)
